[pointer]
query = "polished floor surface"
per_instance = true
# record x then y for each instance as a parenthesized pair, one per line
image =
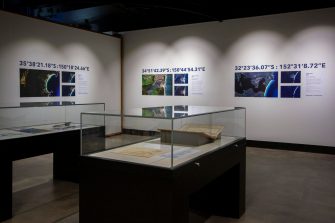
(282, 186)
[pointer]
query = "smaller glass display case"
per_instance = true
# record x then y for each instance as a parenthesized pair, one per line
(166, 136)
(37, 118)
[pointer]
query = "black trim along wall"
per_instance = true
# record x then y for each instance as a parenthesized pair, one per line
(292, 146)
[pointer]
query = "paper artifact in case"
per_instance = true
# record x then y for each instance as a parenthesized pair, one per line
(192, 134)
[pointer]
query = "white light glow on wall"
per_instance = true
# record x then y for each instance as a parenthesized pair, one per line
(260, 46)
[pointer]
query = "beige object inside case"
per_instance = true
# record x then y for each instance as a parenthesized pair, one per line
(192, 134)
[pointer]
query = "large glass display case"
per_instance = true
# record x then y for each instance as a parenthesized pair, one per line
(166, 136)
(161, 163)
(36, 118)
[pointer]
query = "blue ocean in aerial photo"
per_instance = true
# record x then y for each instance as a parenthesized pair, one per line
(181, 90)
(181, 78)
(68, 77)
(168, 84)
(291, 76)
(68, 90)
(256, 84)
(290, 91)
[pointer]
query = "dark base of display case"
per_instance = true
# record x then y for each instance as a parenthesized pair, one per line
(116, 191)
(65, 147)
(292, 147)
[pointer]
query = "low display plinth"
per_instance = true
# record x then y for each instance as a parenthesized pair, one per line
(118, 191)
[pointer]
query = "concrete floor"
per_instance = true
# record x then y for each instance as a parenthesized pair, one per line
(282, 186)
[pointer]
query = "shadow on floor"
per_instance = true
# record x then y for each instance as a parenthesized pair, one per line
(282, 186)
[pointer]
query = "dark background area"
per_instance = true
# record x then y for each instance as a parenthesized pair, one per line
(119, 16)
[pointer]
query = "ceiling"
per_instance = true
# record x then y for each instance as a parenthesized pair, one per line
(120, 16)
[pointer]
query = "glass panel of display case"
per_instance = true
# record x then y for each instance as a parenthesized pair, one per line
(42, 117)
(165, 136)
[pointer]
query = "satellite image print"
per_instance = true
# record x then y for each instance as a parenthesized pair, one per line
(39, 83)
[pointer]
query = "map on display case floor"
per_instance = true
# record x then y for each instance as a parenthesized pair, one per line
(153, 152)
(140, 152)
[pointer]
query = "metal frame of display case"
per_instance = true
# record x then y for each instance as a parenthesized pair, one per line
(113, 190)
(63, 143)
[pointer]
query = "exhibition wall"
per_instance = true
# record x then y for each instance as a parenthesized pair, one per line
(47, 62)
(233, 63)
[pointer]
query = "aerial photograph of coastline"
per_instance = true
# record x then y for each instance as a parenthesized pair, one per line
(181, 78)
(181, 90)
(157, 84)
(39, 83)
(68, 77)
(256, 84)
(290, 91)
(68, 90)
(291, 76)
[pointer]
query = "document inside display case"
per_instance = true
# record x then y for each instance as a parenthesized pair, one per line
(153, 152)
(32, 119)
(165, 140)
(192, 134)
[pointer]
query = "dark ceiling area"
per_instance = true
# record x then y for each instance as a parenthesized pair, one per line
(119, 16)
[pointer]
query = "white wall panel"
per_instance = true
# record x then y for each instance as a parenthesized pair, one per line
(24, 38)
(301, 37)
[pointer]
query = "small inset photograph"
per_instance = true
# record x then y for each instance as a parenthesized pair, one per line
(181, 78)
(68, 77)
(290, 91)
(68, 90)
(291, 76)
(181, 90)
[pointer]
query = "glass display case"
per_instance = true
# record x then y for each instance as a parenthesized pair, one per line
(37, 118)
(166, 136)
(38, 128)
